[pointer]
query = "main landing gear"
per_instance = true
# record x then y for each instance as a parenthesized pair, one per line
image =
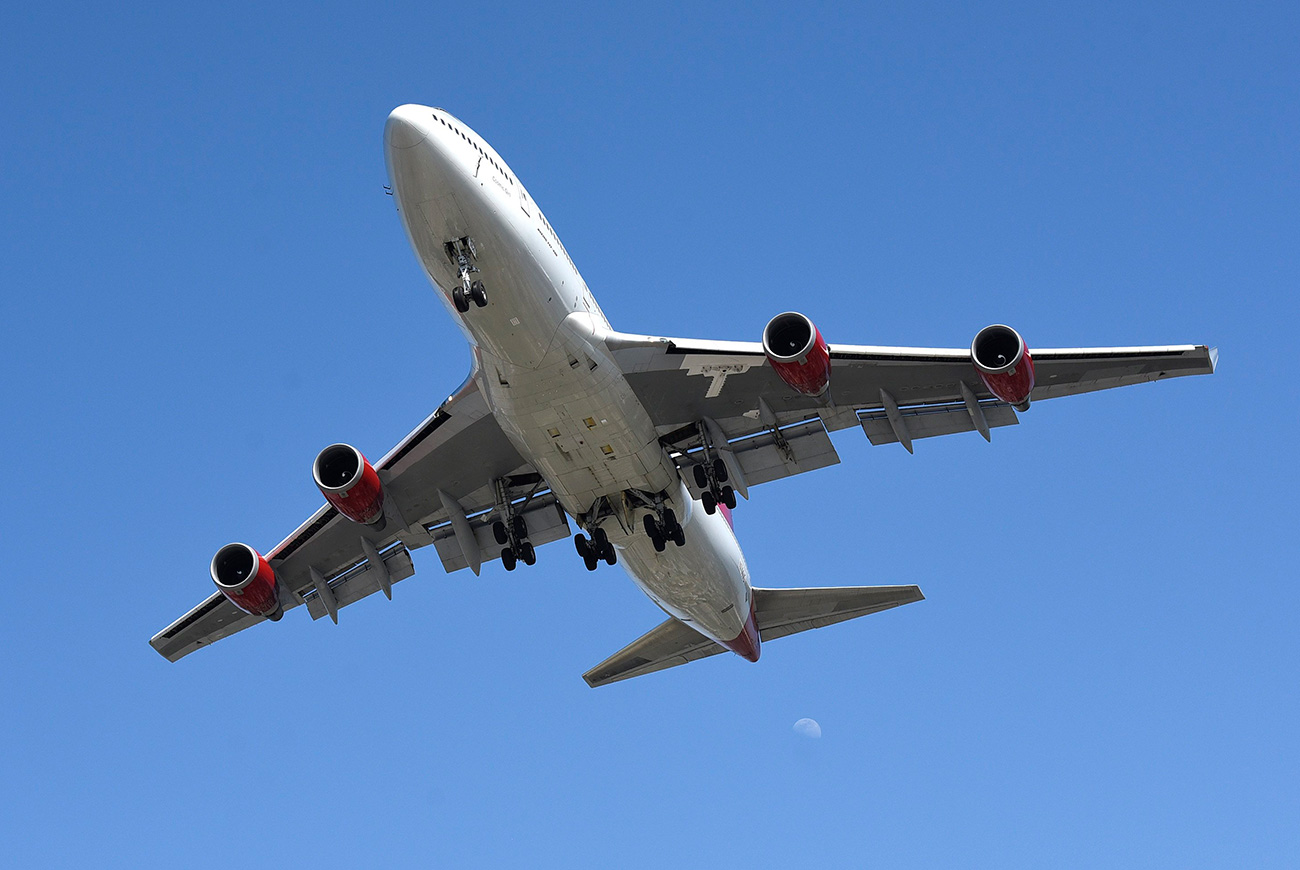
(662, 527)
(712, 477)
(595, 548)
(462, 254)
(514, 535)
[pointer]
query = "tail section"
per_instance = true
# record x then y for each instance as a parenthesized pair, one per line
(778, 612)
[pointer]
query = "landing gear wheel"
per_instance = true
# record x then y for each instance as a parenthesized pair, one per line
(611, 557)
(599, 539)
(499, 532)
(582, 546)
(720, 470)
(508, 559)
(670, 521)
(710, 503)
(591, 562)
(459, 299)
(678, 536)
(652, 530)
(701, 477)
(478, 293)
(729, 497)
(527, 553)
(521, 528)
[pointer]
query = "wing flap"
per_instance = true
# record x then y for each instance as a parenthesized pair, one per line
(928, 422)
(545, 519)
(362, 580)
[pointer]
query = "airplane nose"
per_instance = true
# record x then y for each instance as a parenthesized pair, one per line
(405, 127)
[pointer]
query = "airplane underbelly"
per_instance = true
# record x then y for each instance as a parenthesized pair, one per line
(559, 397)
(578, 422)
(704, 583)
(528, 297)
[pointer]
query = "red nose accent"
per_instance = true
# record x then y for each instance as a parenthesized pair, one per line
(748, 643)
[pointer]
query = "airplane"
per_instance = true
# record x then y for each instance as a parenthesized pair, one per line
(642, 442)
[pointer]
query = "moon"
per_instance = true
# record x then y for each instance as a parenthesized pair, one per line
(808, 728)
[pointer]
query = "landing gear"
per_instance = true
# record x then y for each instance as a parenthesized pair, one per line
(462, 254)
(512, 531)
(595, 548)
(664, 528)
(711, 476)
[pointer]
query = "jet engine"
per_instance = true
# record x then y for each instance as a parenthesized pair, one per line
(798, 352)
(1004, 363)
(247, 579)
(349, 483)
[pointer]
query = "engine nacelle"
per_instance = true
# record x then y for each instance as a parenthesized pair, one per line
(247, 579)
(1004, 363)
(349, 483)
(798, 352)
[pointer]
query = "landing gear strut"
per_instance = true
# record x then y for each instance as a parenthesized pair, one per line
(462, 254)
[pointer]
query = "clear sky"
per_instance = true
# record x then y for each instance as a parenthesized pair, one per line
(203, 284)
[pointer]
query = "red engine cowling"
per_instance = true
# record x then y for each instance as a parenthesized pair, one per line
(798, 352)
(349, 483)
(1004, 363)
(247, 580)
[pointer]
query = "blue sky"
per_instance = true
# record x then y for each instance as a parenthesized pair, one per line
(204, 284)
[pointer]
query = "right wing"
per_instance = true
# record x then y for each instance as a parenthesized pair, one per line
(765, 430)
(459, 451)
(778, 612)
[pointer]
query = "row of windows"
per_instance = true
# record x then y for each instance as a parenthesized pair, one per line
(475, 146)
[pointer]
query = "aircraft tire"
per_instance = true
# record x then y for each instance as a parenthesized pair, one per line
(720, 470)
(729, 497)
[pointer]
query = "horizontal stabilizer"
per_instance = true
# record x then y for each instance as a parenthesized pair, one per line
(779, 612)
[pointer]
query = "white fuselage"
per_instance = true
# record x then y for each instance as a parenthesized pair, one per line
(542, 363)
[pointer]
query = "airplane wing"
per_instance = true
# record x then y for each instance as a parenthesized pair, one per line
(767, 430)
(439, 477)
(778, 612)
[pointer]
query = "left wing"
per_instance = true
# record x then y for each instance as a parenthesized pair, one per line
(330, 561)
(896, 394)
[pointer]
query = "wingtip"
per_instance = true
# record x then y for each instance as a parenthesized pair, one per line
(1214, 360)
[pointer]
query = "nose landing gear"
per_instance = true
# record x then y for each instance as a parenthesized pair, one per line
(462, 254)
